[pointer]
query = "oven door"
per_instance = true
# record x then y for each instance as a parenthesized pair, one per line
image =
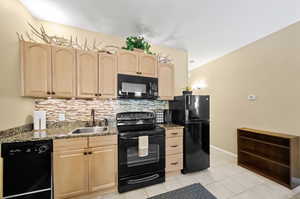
(129, 161)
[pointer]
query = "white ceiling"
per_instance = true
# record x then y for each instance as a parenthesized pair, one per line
(207, 29)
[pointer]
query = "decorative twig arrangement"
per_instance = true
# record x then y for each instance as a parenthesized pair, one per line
(40, 35)
(162, 58)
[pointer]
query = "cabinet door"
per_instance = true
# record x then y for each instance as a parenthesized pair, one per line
(107, 76)
(63, 72)
(71, 170)
(87, 74)
(166, 81)
(103, 168)
(128, 62)
(148, 65)
(35, 69)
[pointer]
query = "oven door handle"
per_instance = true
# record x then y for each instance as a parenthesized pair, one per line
(141, 180)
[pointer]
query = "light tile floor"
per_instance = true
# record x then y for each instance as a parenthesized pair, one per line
(224, 179)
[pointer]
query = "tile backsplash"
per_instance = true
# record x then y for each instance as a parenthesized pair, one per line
(81, 109)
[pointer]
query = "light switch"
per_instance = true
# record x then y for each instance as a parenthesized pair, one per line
(61, 116)
(251, 97)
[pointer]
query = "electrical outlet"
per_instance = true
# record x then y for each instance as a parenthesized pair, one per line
(251, 97)
(61, 116)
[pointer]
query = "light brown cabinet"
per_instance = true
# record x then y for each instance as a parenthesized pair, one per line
(128, 62)
(63, 72)
(66, 73)
(70, 173)
(137, 63)
(87, 74)
(35, 69)
(166, 81)
(108, 76)
(174, 150)
(84, 165)
(148, 65)
(47, 70)
(96, 75)
(104, 178)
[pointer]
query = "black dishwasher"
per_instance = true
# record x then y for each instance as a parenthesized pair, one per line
(27, 170)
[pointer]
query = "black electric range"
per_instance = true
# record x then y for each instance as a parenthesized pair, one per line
(137, 171)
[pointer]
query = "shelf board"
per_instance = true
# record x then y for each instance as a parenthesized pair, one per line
(266, 159)
(264, 142)
(265, 175)
(273, 134)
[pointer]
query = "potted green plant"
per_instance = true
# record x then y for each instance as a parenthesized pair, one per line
(187, 91)
(137, 43)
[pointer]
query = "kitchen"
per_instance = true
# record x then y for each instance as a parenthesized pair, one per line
(93, 144)
(87, 115)
(81, 99)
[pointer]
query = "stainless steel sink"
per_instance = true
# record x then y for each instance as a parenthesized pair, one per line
(86, 130)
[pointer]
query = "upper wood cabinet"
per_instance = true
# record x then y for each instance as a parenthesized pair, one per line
(63, 72)
(137, 63)
(148, 65)
(71, 170)
(166, 81)
(35, 69)
(103, 167)
(87, 74)
(128, 62)
(107, 76)
(66, 73)
(47, 70)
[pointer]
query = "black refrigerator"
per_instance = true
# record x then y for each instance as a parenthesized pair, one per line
(192, 111)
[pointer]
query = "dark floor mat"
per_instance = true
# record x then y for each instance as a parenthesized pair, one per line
(194, 191)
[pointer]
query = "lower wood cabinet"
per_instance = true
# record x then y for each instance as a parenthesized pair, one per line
(80, 169)
(102, 168)
(174, 150)
(71, 170)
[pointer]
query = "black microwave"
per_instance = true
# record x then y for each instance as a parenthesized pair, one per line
(137, 87)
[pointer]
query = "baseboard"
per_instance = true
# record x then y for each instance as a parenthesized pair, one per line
(224, 151)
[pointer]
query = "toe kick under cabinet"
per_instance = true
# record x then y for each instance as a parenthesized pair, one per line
(83, 166)
(174, 150)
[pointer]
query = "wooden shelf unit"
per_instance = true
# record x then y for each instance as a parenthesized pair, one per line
(273, 155)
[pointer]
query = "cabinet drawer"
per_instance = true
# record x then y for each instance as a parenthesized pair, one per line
(174, 133)
(174, 162)
(102, 140)
(70, 144)
(174, 145)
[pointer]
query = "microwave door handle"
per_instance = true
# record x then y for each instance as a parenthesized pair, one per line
(126, 138)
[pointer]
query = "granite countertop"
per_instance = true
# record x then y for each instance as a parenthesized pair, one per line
(171, 126)
(52, 133)
(60, 132)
